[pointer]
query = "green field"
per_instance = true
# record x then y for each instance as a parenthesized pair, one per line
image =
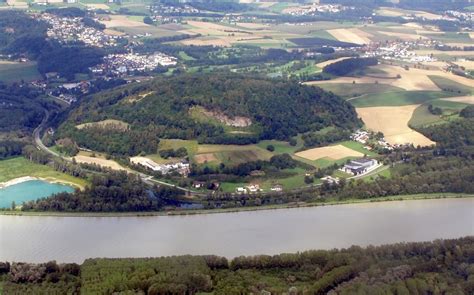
(11, 72)
(422, 117)
(290, 179)
(452, 86)
(20, 167)
(398, 98)
(348, 90)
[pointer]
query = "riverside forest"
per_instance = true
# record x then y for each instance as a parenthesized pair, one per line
(122, 112)
(442, 266)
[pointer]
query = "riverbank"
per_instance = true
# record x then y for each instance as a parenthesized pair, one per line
(19, 169)
(22, 179)
(242, 209)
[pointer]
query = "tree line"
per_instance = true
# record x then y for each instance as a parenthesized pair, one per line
(438, 267)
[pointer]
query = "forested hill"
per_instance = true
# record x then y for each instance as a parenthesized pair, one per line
(209, 106)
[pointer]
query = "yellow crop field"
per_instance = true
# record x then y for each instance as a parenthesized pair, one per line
(334, 152)
(99, 161)
(351, 35)
(393, 123)
(463, 99)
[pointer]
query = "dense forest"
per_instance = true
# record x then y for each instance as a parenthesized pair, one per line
(163, 108)
(439, 267)
(21, 109)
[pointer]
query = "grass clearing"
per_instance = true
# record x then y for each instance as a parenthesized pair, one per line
(109, 123)
(21, 167)
(348, 90)
(16, 71)
(397, 98)
(452, 86)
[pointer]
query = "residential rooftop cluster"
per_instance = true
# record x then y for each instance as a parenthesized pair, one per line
(123, 64)
(315, 9)
(71, 29)
(400, 50)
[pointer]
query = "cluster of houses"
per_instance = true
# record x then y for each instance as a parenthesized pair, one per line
(363, 136)
(255, 188)
(400, 50)
(71, 29)
(316, 8)
(127, 63)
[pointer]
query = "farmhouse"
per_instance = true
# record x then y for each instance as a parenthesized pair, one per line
(331, 180)
(359, 166)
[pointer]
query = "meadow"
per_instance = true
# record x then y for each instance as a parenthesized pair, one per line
(21, 167)
(15, 71)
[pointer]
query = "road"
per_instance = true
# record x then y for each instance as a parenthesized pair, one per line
(145, 177)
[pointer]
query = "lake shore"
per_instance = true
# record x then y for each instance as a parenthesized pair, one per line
(242, 209)
(22, 179)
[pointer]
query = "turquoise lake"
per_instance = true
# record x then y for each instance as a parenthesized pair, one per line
(30, 190)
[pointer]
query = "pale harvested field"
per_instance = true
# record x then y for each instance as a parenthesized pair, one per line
(17, 4)
(331, 61)
(413, 79)
(253, 26)
(208, 42)
(403, 36)
(350, 35)
(387, 11)
(413, 25)
(99, 161)
(122, 21)
(471, 35)
(450, 53)
(113, 32)
(468, 64)
(456, 44)
(97, 6)
(266, 4)
(463, 99)
(205, 158)
(393, 123)
(334, 152)
(116, 124)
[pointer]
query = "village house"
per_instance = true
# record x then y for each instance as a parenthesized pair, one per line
(277, 188)
(331, 180)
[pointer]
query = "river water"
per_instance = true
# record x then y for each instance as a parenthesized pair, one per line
(73, 239)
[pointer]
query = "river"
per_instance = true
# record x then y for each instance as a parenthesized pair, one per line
(72, 239)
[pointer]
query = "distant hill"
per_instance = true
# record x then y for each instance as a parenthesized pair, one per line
(213, 108)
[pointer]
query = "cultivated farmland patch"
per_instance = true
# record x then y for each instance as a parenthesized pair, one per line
(393, 123)
(334, 152)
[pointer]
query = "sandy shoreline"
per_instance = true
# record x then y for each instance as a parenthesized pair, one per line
(30, 178)
(17, 181)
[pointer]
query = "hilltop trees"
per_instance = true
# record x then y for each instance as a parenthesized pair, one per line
(277, 110)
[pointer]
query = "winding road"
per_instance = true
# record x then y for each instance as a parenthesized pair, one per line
(148, 179)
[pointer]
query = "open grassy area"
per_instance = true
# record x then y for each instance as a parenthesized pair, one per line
(452, 86)
(398, 98)
(422, 117)
(20, 167)
(11, 72)
(348, 90)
